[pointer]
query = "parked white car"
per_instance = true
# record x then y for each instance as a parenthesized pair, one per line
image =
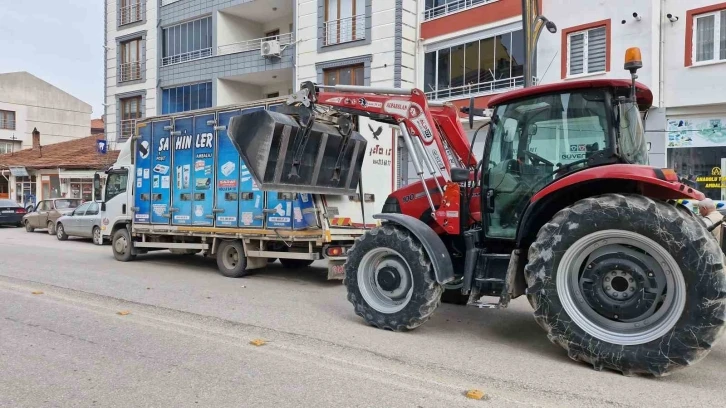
(84, 221)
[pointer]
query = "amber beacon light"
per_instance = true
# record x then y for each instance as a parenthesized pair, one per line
(633, 59)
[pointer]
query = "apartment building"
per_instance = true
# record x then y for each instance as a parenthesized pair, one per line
(684, 51)
(171, 56)
(27, 102)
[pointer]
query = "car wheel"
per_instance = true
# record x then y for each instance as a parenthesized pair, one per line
(51, 228)
(97, 237)
(60, 233)
(28, 227)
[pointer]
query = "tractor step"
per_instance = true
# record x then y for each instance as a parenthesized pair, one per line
(496, 256)
(490, 280)
(486, 302)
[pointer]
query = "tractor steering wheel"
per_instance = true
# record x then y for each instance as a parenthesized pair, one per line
(538, 158)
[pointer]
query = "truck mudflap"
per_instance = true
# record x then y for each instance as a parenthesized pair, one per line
(283, 155)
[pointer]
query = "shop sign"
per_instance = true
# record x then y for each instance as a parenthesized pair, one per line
(696, 132)
(715, 180)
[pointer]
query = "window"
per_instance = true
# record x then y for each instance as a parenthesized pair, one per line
(587, 50)
(130, 11)
(6, 147)
(348, 75)
(7, 120)
(130, 67)
(44, 206)
(130, 112)
(272, 35)
(92, 209)
(709, 36)
(115, 184)
(186, 98)
(187, 41)
(345, 21)
(481, 66)
(81, 209)
(273, 95)
(67, 203)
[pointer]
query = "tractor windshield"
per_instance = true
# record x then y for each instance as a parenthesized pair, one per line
(632, 144)
(551, 133)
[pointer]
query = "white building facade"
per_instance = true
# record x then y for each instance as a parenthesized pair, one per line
(683, 46)
(27, 102)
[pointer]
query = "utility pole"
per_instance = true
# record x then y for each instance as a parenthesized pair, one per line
(532, 24)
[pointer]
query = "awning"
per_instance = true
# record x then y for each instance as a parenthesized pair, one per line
(18, 171)
(80, 174)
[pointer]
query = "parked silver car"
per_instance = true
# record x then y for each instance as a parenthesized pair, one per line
(84, 221)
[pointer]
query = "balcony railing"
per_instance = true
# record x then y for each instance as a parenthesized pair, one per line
(187, 56)
(489, 87)
(130, 71)
(131, 13)
(452, 7)
(128, 127)
(251, 45)
(344, 30)
(6, 124)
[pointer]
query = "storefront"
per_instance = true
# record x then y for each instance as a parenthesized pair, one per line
(696, 150)
(62, 170)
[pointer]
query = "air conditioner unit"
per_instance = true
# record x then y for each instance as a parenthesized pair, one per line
(270, 48)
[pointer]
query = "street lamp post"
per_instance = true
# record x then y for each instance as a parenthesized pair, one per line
(532, 23)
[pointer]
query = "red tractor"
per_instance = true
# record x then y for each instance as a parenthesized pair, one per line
(562, 208)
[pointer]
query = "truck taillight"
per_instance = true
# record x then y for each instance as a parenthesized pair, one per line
(334, 251)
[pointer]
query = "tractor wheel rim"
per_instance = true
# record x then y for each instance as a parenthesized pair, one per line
(621, 287)
(59, 231)
(120, 245)
(385, 280)
(230, 257)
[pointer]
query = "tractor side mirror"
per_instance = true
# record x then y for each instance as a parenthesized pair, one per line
(459, 175)
(471, 113)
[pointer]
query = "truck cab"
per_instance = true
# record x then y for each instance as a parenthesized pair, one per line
(117, 193)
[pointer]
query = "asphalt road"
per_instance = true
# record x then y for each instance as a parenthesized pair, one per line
(186, 342)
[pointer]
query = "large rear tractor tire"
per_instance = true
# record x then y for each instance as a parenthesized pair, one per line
(629, 284)
(390, 280)
(231, 259)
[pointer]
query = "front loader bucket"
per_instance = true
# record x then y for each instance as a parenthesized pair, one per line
(267, 140)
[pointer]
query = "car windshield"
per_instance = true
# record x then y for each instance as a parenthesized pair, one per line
(633, 146)
(557, 131)
(66, 204)
(8, 203)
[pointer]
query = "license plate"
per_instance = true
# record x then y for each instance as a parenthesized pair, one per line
(8, 212)
(336, 269)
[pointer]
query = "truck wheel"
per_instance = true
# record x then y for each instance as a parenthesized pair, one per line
(389, 279)
(122, 245)
(28, 227)
(60, 233)
(295, 263)
(231, 259)
(628, 283)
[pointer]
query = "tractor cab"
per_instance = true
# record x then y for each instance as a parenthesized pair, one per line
(540, 135)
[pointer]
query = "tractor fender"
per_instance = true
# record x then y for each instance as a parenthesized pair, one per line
(432, 243)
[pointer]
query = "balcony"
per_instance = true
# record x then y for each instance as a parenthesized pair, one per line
(344, 30)
(131, 13)
(453, 7)
(477, 89)
(187, 56)
(130, 71)
(254, 44)
(128, 127)
(236, 89)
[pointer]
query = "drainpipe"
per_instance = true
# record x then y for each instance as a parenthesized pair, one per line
(661, 56)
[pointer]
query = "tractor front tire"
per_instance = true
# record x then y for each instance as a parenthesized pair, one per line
(629, 284)
(390, 280)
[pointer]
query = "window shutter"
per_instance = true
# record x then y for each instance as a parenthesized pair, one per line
(577, 53)
(596, 50)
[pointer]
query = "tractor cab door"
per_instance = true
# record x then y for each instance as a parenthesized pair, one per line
(531, 143)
